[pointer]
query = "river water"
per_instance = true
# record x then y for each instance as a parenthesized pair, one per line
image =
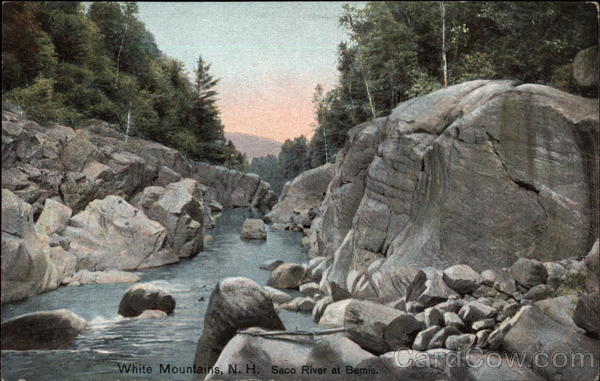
(111, 341)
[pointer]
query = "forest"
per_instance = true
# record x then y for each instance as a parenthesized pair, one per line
(396, 50)
(73, 64)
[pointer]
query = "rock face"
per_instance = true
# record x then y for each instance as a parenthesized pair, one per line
(290, 352)
(60, 171)
(585, 67)
(29, 264)
(235, 303)
(178, 207)
(145, 296)
(480, 173)
(253, 228)
(302, 194)
(112, 234)
(41, 330)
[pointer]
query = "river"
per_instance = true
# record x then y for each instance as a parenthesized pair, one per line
(111, 340)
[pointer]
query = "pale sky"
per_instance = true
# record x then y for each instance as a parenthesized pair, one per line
(269, 57)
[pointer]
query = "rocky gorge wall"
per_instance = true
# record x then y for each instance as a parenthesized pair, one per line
(480, 173)
(80, 199)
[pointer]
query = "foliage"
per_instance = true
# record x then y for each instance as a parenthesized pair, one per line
(62, 62)
(393, 53)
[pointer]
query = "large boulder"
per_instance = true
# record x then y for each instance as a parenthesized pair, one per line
(289, 356)
(366, 323)
(234, 304)
(179, 208)
(41, 330)
(29, 264)
(529, 272)
(503, 162)
(429, 288)
(111, 233)
(254, 228)
(145, 296)
(462, 278)
(574, 355)
(302, 194)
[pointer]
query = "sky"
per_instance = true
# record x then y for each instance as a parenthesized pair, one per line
(269, 57)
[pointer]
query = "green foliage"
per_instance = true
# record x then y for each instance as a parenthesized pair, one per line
(395, 50)
(63, 63)
(267, 168)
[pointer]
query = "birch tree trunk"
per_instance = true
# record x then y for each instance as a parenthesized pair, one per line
(445, 63)
(128, 123)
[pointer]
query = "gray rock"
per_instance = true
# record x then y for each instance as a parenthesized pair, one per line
(452, 319)
(145, 296)
(414, 307)
(483, 367)
(560, 309)
(287, 275)
(592, 264)
(423, 338)
(401, 331)
(234, 304)
(460, 343)
(474, 311)
(462, 278)
(504, 281)
(291, 351)
(406, 365)
(53, 219)
(429, 289)
(103, 234)
(484, 291)
(306, 304)
(320, 307)
(483, 324)
(338, 293)
(482, 337)
(166, 176)
(529, 272)
(271, 264)
(41, 330)
(539, 292)
(179, 208)
(253, 228)
(398, 190)
(452, 305)
(531, 332)
(508, 311)
(439, 339)
(309, 289)
(585, 67)
(277, 296)
(433, 316)
(302, 194)
(366, 322)
(587, 313)
(30, 265)
(152, 315)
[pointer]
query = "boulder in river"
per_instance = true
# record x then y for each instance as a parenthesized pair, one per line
(254, 228)
(179, 208)
(41, 330)
(111, 233)
(234, 304)
(287, 275)
(145, 296)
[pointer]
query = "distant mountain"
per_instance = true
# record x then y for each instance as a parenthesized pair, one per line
(252, 145)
